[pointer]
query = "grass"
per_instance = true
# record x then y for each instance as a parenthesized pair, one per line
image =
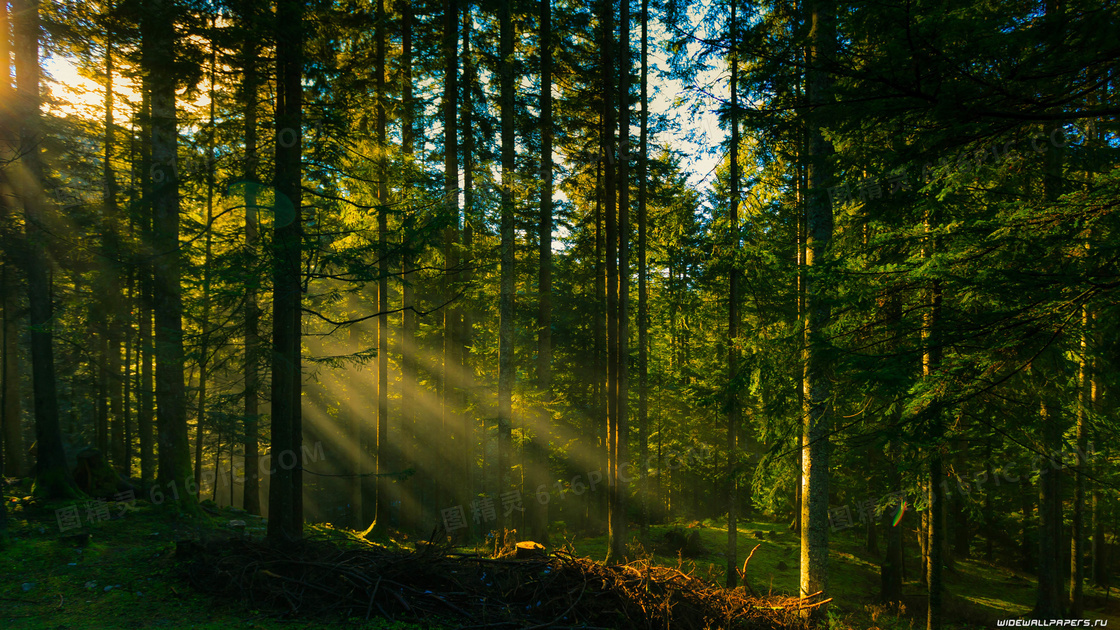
(126, 575)
(978, 592)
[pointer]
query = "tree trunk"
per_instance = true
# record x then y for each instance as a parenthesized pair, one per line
(382, 505)
(931, 364)
(1078, 537)
(643, 289)
(818, 393)
(989, 512)
(467, 326)
(410, 505)
(52, 476)
(145, 419)
(110, 296)
(620, 525)
(606, 48)
(1027, 507)
(10, 420)
(539, 516)
(802, 174)
(733, 318)
(207, 256)
(890, 572)
(10, 406)
(507, 280)
(600, 343)
(217, 468)
(1048, 600)
(284, 519)
(171, 418)
(251, 501)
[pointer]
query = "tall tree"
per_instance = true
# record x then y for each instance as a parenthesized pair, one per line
(160, 41)
(620, 522)
(643, 285)
(382, 499)
(204, 349)
(606, 60)
(733, 314)
(10, 405)
(931, 364)
(250, 83)
(818, 393)
(110, 291)
(9, 378)
(506, 365)
(1048, 599)
(284, 523)
(539, 444)
(52, 476)
(451, 345)
(1077, 529)
(408, 416)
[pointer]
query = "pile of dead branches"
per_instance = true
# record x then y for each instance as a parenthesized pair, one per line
(316, 578)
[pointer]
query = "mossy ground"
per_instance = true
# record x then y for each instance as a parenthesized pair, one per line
(127, 576)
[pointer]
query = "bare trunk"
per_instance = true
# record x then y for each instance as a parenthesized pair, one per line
(10, 406)
(620, 525)
(52, 476)
(606, 59)
(1078, 537)
(506, 298)
(733, 320)
(539, 511)
(818, 393)
(643, 289)
(285, 521)
(382, 505)
(251, 501)
(160, 41)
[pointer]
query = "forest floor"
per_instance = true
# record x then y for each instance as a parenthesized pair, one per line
(118, 569)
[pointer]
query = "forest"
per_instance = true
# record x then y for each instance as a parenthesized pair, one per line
(475, 272)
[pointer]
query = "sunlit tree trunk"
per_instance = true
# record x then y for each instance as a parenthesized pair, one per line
(818, 392)
(284, 523)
